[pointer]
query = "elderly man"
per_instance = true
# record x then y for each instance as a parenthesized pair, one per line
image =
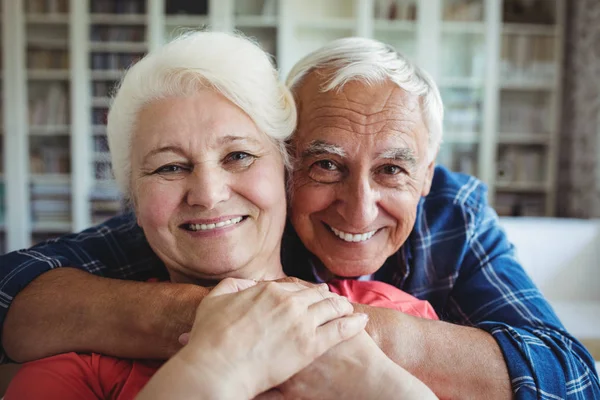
(366, 202)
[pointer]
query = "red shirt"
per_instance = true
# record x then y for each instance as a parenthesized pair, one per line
(94, 376)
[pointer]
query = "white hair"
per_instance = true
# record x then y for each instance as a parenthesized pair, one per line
(228, 63)
(370, 61)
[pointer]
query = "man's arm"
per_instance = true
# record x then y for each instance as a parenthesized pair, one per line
(63, 301)
(504, 337)
(71, 310)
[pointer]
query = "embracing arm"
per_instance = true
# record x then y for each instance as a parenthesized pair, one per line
(71, 310)
(47, 309)
(504, 337)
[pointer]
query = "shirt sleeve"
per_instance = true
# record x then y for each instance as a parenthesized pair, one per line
(494, 293)
(116, 249)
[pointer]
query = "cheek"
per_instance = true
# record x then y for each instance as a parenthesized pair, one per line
(402, 207)
(308, 199)
(263, 186)
(156, 202)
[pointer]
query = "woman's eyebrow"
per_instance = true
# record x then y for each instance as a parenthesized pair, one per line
(319, 147)
(165, 149)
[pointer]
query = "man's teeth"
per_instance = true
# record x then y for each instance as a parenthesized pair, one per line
(349, 237)
(220, 224)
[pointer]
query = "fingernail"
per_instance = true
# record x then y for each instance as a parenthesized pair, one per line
(364, 316)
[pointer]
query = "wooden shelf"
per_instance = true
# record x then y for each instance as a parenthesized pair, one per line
(256, 21)
(466, 27)
(461, 137)
(524, 138)
(101, 102)
(529, 29)
(384, 25)
(186, 20)
(51, 227)
(48, 74)
(461, 83)
(527, 85)
(47, 43)
(51, 179)
(522, 187)
(98, 129)
(106, 75)
(47, 19)
(327, 24)
(49, 130)
(119, 47)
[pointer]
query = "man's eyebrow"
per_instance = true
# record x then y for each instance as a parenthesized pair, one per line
(319, 147)
(403, 154)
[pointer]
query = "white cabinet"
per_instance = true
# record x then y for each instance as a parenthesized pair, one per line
(497, 63)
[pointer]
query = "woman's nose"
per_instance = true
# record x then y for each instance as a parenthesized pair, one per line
(207, 187)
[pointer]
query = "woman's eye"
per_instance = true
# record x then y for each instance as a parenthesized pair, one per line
(169, 169)
(239, 159)
(238, 156)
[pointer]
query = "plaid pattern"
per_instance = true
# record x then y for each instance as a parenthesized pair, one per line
(457, 258)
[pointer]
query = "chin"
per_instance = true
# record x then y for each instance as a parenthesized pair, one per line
(348, 269)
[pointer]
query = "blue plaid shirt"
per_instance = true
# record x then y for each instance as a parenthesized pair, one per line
(457, 258)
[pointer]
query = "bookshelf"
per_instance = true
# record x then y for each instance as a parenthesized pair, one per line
(496, 62)
(48, 123)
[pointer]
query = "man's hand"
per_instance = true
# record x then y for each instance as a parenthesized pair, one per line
(355, 369)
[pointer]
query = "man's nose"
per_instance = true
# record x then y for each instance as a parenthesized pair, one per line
(207, 187)
(358, 203)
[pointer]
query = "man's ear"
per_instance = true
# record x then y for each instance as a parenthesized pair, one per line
(429, 176)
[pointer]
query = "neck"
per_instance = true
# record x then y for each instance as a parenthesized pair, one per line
(260, 269)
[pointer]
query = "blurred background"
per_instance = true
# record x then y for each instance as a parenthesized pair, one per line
(520, 80)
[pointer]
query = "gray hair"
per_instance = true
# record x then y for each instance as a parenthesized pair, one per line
(371, 61)
(228, 63)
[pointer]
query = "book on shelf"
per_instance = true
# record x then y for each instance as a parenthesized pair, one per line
(525, 112)
(529, 11)
(113, 61)
(527, 57)
(47, 59)
(103, 88)
(47, 6)
(49, 105)
(119, 6)
(110, 33)
(400, 10)
(520, 164)
(197, 7)
(463, 10)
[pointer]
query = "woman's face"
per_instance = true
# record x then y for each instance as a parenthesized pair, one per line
(208, 189)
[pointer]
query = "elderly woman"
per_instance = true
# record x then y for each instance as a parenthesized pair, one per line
(197, 135)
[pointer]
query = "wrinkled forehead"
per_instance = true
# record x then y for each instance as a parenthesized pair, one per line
(357, 107)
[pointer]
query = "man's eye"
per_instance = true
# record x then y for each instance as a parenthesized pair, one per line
(391, 169)
(327, 165)
(325, 171)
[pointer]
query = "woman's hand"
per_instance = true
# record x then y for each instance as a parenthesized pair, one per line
(249, 337)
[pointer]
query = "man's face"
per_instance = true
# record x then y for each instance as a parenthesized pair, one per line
(362, 166)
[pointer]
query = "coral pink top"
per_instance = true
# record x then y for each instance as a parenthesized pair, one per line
(75, 376)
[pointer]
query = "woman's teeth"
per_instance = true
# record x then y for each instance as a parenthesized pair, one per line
(220, 224)
(349, 237)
